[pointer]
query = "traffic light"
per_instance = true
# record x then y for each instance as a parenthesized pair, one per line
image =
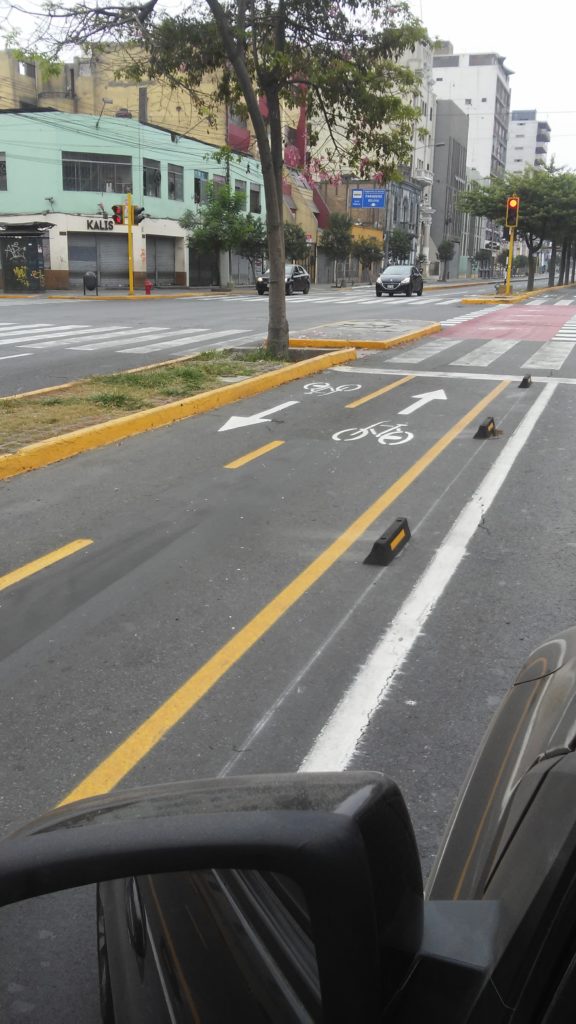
(512, 211)
(138, 214)
(118, 214)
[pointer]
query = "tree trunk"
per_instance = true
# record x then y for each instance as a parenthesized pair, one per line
(563, 261)
(531, 269)
(552, 265)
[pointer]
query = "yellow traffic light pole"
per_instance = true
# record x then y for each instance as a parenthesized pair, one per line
(130, 245)
(512, 213)
(510, 259)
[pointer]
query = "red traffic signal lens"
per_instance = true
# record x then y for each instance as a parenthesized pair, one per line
(117, 215)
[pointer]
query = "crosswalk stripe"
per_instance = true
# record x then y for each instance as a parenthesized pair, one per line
(449, 302)
(23, 339)
(537, 302)
(428, 349)
(161, 334)
(488, 352)
(63, 339)
(550, 356)
(208, 336)
(12, 328)
(564, 302)
(17, 355)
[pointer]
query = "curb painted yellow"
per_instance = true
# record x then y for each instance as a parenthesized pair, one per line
(136, 298)
(508, 300)
(400, 339)
(55, 449)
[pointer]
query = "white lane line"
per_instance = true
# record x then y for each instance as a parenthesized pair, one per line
(128, 336)
(18, 355)
(86, 336)
(551, 356)
(428, 349)
(338, 740)
(449, 302)
(449, 374)
(208, 336)
(487, 353)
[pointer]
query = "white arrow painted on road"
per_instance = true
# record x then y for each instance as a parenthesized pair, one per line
(431, 396)
(259, 417)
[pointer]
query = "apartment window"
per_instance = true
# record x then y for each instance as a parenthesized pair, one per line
(238, 119)
(291, 136)
(484, 100)
(255, 206)
(3, 179)
(468, 103)
(200, 186)
(519, 136)
(152, 178)
(439, 79)
(27, 68)
(96, 172)
(218, 181)
(175, 182)
(240, 190)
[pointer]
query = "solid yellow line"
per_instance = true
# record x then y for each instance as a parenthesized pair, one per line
(381, 391)
(64, 446)
(135, 747)
(42, 563)
(253, 455)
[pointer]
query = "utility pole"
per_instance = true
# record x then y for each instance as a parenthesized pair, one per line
(129, 222)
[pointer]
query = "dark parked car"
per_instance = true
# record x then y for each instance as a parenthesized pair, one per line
(299, 898)
(405, 278)
(296, 279)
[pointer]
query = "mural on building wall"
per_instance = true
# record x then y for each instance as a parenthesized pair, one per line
(22, 263)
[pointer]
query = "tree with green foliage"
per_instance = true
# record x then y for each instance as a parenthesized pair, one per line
(295, 244)
(251, 240)
(367, 251)
(218, 226)
(339, 60)
(446, 251)
(336, 240)
(400, 244)
(547, 207)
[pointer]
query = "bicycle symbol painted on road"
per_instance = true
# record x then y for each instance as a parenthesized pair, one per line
(385, 433)
(320, 387)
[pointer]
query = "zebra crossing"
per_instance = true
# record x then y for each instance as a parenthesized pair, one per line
(366, 297)
(548, 356)
(18, 341)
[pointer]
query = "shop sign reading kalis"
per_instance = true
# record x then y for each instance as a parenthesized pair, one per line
(99, 224)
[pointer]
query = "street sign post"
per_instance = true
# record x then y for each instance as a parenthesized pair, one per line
(368, 198)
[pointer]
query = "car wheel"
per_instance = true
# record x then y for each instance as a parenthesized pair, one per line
(260, 291)
(379, 293)
(106, 1004)
(289, 288)
(421, 290)
(306, 289)
(409, 291)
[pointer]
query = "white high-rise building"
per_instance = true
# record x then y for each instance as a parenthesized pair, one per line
(479, 84)
(528, 140)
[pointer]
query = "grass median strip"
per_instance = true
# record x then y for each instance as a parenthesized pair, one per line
(37, 417)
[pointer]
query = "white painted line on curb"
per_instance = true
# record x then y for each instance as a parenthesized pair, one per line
(337, 743)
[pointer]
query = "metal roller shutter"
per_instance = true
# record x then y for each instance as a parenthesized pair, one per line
(161, 259)
(108, 257)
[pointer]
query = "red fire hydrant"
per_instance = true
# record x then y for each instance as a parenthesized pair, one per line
(148, 286)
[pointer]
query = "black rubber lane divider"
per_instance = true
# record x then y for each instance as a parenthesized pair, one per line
(526, 381)
(389, 544)
(486, 429)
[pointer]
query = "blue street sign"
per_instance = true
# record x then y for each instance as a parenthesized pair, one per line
(368, 198)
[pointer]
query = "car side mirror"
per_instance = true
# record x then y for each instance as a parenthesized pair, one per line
(345, 839)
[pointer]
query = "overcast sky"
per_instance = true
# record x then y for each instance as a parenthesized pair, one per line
(538, 40)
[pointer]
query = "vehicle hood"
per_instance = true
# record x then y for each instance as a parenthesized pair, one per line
(534, 727)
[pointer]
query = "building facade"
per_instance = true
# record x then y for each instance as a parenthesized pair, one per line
(63, 174)
(479, 83)
(450, 181)
(528, 140)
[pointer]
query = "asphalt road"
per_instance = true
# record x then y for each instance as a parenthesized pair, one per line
(45, 341)
(244, 591)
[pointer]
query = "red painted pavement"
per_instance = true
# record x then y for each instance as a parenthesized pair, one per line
(539, 323)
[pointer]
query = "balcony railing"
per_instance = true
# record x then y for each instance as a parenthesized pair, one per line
(422, 176)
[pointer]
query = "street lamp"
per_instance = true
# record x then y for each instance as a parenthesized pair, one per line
(104, 104)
